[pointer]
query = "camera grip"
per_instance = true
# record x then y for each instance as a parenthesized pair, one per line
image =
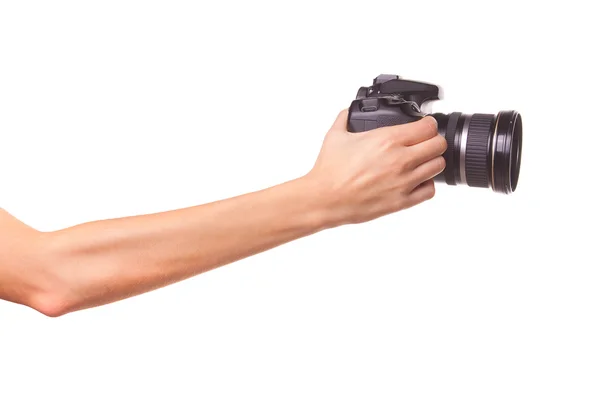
(367, 114)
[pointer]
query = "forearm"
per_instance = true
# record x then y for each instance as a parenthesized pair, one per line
(356, 178)
(104, 261)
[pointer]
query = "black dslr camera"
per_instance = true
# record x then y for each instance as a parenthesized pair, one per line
(484, 150)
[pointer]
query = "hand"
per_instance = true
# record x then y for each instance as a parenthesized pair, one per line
(362, 176)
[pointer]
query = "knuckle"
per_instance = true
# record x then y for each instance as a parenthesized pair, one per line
(429, 191)
(403, 163)
(387, 142)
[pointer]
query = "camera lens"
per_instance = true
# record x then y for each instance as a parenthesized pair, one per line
(484, 150)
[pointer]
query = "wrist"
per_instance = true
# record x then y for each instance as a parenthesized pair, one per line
(321, 207)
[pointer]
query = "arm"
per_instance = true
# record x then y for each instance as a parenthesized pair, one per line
(357, 177)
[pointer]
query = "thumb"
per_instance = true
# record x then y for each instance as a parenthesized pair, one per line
(341, 122)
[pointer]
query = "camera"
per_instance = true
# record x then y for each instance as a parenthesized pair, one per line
(484, 150)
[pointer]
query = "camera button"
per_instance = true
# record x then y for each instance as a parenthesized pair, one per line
(368, 105)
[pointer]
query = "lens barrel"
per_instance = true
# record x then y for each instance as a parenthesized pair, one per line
(484, 150)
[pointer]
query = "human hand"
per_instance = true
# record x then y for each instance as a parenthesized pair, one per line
(362, 176)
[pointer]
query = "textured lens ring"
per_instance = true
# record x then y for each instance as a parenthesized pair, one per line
(450, 154)
(477, 163)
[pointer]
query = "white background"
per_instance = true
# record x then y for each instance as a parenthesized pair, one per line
(119, 108)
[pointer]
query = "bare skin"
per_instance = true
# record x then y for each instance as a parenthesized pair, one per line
(356, 178)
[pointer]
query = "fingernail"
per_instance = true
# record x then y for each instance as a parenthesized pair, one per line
(431, 121)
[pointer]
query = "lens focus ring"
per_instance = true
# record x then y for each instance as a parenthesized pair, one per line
(477, 153)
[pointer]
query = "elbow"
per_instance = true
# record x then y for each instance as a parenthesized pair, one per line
(52, 304)
(49, 289)
(38, 273)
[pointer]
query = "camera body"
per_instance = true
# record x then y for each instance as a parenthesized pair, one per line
(484, 150)
(389, 101)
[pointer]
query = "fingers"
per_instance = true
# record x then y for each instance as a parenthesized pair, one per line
(341, 121)
(428, 170)
(425, 191)
(427, 150)
(413, 132)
